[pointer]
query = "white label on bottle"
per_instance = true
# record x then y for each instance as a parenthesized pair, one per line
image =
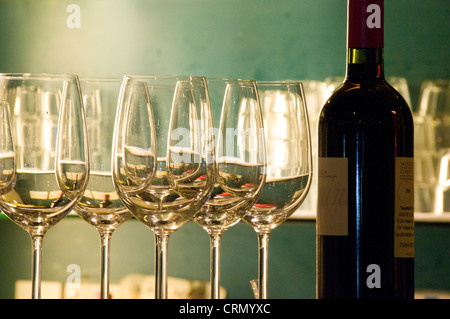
(332, 196)
(404, 208)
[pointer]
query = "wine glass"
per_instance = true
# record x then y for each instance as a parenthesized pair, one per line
(431, 143)
(240, 163)
(163, 165)
(316, 94)
(100, 206)
(50, 154)
(7, 162)
(289, 164)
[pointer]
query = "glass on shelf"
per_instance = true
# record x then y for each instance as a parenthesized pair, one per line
(432, 145)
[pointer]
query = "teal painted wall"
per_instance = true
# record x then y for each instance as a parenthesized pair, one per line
(259, 39)
(263, 40)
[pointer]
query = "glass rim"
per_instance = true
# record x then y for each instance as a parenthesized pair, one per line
(38, 76)
(438, 82)
(160, 81)
(163, 77)
(230, 80)
(100, 79)
(280, 82)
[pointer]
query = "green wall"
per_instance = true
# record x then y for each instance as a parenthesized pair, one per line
(259, 39)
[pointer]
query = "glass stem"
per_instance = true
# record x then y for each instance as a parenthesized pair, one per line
(263, 254)
(161, 246)
(215, 266)
(106, 242)
(37, 263)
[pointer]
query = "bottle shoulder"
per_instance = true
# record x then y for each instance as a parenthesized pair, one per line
(372, 99)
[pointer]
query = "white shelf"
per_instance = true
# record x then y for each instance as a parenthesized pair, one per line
(418, 217)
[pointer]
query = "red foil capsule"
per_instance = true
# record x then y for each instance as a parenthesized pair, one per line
(365, 24)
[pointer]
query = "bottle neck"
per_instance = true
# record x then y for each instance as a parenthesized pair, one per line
(365, 64)
(365, 40)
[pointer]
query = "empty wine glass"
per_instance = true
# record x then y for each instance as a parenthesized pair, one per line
(289, 164)
(100, 206)
(316, 94)
(163, 165)
(7, 162)
(51, 154)
(240, 163)
(431, 145)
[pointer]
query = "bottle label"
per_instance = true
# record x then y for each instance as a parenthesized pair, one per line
(365, 24)
(332, 196)
(404, 208)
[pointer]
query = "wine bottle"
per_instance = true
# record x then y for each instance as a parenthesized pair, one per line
(365, 212)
